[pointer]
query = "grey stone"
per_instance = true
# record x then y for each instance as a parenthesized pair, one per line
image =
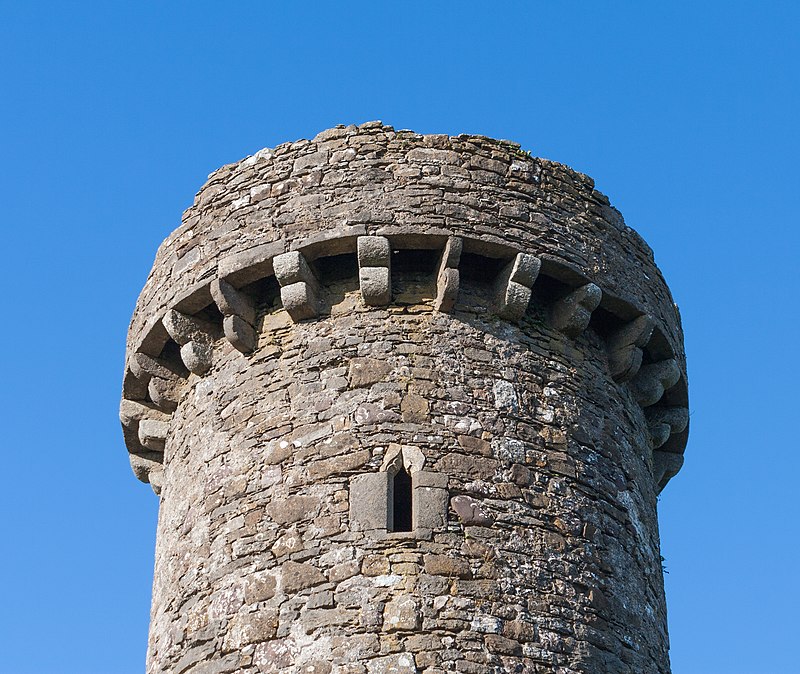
(300, 301)
(231, 302)
(197, 356)
(369, 499)
(376, 285)
(398, 663)
(153, 434)
(367, 371)
(374, 251)
(571, 314)
(291, 268)
(240, 334)
(164, 394)
(297, 576)
(471, 512)
(625, 347)
(652, 380)
(665, 466)
(184, 329)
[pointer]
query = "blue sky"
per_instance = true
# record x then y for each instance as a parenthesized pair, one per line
(113, 113)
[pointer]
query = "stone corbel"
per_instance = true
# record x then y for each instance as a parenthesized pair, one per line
(652, 380)
(299, 286)
(571, 314)
(162, 381)
(665, 466)
(194, 336)
(239, 315)
(513, 286)
(664, 421)
(375, 270)
(625, 348)
(447, 279)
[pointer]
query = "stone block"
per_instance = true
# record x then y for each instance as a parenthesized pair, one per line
(184, 329)
(299, 576)
(241, 334)
(300, 300)
(447, 286)
(131, 412)
(652, 380)
(524, 269)
(374, 251)
(291, 268)
(398, 663)
(367, 371)
(232, 302)
(376, 285)
(665, 466)
(446, 565)
(153, 434)
(571, 314)
(196, 356)
(252, 264)
(625, 347)
(401, 613)
(430, 505)
(513, 301)
(144, 463)
(164, 394)
(470, 511)
(664, 421)
(144, 367)
(369, 502)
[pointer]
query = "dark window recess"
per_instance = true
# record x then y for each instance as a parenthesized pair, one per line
(401, 501)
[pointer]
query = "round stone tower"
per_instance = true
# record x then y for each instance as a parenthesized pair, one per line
(407, 402)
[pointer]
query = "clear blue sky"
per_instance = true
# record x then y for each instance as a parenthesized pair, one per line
(113, 113)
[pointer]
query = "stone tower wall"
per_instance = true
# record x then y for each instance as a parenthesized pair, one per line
(335, 311)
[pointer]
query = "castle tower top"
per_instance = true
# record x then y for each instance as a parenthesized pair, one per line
(375, 370)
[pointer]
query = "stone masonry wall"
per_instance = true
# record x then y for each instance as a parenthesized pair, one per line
(484, 311)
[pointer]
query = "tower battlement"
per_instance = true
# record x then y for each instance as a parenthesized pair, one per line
(407, 401)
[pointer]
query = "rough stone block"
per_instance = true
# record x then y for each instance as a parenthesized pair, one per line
(470, 511)
(369, 501)
(374, 251)
(652, 380)
(252, 264)
(447, 285)
(398, 663)
(514, 300)
(376, 285)
(131, 412)
(401, 613)
(367, 371)
(430, 502)
(153, 434)
(184, 329)
(297, 576)
(196, 356)
(241, 334)
(291, 268)
(524, 269)
(143, 464)
(164, 394)
(664, 421)
(232, 302)
(300, 300)
(144, 367)
(665, 466)
(571, 314)
(625, 347)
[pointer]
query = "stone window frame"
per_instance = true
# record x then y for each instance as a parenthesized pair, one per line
(372, 498)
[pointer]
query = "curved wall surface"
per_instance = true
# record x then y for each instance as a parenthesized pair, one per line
(407, 402)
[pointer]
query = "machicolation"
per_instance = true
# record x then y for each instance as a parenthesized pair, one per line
(407, 402)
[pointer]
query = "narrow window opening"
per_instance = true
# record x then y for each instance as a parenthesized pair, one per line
(401, 501)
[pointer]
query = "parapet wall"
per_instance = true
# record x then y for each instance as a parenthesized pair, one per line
(336, 311)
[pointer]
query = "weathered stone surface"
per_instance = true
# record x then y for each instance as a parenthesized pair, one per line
(184, 329)
(153, 434)
(401, 613)
(376, 285)
(300, 300)
(197, 356)
(513, 286)
(240, 334)
(231, 302)
(297, 577)
(367, 371)
(470, 512)
(374, 251)
(652, 380)
(625, 347)
(572, 313)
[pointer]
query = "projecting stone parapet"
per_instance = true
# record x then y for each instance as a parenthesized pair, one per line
(359, 349)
